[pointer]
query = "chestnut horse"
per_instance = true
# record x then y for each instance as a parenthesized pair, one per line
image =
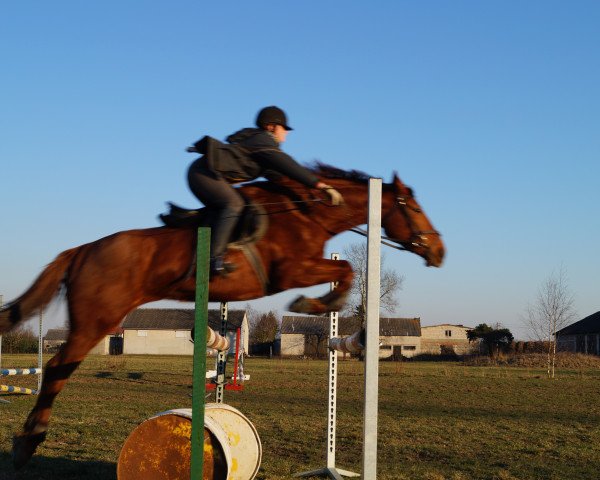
(106, 279)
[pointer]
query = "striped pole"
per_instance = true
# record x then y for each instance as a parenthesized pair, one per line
(23, 390)
(350, 344)
(199, 375)
(20, 371)
(216, 341)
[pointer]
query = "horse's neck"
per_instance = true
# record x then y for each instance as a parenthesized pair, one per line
(352, 213)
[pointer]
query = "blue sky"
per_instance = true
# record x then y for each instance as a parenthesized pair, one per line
(489, 110)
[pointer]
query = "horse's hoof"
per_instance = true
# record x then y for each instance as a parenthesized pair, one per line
(306, 305)
(24, 446)
(299, 305)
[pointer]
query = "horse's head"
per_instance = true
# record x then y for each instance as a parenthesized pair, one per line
(405, 223)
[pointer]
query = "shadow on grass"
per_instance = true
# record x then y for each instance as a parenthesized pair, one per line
(48, 468)
(130, 375)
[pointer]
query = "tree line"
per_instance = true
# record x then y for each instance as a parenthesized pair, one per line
(20, 340)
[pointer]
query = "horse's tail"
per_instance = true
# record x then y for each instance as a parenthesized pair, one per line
(39, 294)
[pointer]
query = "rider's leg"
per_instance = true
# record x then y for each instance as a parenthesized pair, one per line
(226, 220)
(227, 204)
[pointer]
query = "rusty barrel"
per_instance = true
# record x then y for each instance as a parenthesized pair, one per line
(159, 448)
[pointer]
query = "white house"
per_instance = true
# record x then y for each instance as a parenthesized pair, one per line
(445, 339)
(307, 335)
(167, 331)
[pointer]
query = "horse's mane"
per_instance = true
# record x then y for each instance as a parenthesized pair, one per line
(328, 171)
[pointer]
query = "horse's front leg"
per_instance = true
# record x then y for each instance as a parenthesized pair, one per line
(315, 271)
(58, 370)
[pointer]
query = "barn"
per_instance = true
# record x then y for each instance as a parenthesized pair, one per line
(445, 339)
(582, 336)
(167, 331)
(308, 335)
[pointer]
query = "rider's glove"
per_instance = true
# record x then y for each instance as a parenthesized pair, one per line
(336, 197)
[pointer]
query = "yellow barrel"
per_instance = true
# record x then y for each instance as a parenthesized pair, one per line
(159, 448)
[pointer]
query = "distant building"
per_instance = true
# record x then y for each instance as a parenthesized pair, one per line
(309, 335)
(167, 331)
(54, 338)
(582, 336)
(445, 339)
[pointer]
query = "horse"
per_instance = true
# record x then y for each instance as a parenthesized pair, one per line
(106, 279)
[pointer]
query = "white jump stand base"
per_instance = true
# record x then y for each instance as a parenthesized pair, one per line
(328, 472)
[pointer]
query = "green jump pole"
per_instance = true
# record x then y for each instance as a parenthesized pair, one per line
(199, 375)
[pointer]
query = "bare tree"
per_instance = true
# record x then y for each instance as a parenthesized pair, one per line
(391, 282)
(551, 311)
(316, 337)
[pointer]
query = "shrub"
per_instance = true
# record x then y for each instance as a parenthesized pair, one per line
(20, 340)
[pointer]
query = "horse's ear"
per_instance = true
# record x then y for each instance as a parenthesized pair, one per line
(396, 180)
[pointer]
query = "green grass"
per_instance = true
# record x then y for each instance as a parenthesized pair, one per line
(436, 420)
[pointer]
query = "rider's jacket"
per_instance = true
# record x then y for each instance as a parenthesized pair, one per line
(251, 153)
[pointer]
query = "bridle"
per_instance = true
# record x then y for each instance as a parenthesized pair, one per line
(418, 238)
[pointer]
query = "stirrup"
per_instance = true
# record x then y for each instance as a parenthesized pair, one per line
(219, 267)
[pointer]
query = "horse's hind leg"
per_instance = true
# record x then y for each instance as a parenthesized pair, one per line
(57, 372)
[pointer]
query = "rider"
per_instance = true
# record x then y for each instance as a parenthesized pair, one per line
(249, 154)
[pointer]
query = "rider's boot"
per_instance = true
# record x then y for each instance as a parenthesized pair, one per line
(218, 266)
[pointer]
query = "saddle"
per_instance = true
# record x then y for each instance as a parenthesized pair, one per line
(251, 226)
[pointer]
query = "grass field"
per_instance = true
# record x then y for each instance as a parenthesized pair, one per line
(437, 420)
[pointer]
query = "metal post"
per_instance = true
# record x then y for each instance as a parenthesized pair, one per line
(369, 460)
(330, 471)
(236, 360)
(199, 375)
(40, 349)
(222, 357)
(332, 383)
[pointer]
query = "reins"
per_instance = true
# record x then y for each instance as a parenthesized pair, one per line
(384, 239)
(401, 203)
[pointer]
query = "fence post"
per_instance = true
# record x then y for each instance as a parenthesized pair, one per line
(369, 467)
(199, 373)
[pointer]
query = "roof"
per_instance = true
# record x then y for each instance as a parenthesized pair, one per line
(590, 324)
(61, 334)
(178, 319)
(388, 327)
(55, 334)
(447, 325)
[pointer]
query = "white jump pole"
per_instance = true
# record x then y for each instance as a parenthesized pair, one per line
(369, 457)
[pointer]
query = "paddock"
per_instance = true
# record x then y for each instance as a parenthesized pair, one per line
(436, 420)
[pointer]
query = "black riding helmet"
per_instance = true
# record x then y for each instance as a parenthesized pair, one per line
(274, 115)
